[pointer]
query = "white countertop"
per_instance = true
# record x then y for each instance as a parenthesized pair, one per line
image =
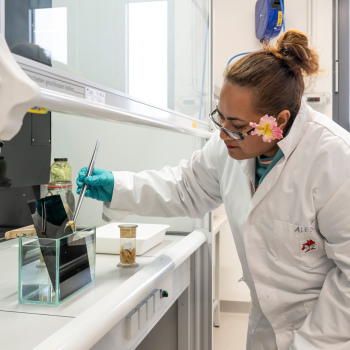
(45, 320)
(108, 277)
(22, 331)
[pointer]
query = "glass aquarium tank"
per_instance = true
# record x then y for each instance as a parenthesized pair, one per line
(51, 271)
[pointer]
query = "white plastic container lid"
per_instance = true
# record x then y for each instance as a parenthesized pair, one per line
(147, 236)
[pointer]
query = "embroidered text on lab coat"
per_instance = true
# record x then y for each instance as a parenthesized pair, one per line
(302, 229)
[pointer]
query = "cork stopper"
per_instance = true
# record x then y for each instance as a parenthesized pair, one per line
(127, 230)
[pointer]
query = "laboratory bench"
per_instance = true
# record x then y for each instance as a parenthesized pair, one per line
(123, 305)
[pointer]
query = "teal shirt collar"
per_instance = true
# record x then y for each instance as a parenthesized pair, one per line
(262, 170)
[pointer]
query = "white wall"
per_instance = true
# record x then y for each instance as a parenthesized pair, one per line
(234, 33)
(123, 147)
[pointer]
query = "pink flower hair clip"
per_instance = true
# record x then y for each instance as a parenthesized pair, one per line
(267, 128)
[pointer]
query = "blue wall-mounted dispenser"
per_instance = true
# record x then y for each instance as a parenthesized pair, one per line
(268, 18)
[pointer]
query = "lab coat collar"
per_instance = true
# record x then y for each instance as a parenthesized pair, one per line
(287, 146)
(248, 166)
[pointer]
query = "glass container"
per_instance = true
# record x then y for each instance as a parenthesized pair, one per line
(61, 171)
(51, 271)
(127, 257)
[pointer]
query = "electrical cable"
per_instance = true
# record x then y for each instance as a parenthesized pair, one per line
(241, 54)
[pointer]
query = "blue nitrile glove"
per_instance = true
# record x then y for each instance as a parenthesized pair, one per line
(99, 185)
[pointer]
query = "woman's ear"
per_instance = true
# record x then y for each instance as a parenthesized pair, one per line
(282, 118)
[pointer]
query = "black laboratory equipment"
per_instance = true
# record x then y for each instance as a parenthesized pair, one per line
(24, 160)
(24, 166)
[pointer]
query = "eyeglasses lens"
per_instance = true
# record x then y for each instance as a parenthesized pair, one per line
(217, 118)
(220, 122)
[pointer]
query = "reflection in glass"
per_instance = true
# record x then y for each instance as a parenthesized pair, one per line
(49, 217)
(50, 31)
(147, 54)
(33, 52)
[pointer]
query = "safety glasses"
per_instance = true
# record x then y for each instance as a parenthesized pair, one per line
(215, 118)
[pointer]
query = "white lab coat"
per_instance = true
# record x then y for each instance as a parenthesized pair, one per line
(303, 293)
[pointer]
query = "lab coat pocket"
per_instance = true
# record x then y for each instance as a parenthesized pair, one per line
(297, 245)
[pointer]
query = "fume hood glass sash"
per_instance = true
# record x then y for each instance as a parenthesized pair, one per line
(101, 59)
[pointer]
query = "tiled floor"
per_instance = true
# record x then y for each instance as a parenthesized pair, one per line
(232, 333)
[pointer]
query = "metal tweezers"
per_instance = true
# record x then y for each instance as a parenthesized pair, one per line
(88, 173)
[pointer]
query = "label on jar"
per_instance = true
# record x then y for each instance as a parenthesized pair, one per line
(127, 245)
(128, 232)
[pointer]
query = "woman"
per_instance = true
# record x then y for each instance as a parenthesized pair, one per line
(286, 198)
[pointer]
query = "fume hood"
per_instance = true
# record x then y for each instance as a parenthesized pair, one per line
(140, 71)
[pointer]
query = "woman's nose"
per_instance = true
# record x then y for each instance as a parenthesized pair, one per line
(224, 136)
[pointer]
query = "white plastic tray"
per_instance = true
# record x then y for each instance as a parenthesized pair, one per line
(147, 236)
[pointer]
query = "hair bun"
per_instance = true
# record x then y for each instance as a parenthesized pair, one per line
(293, 46)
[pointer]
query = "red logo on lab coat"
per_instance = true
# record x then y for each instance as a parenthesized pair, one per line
(309, 245)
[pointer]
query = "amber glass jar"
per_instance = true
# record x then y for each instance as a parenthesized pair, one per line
(127, 257)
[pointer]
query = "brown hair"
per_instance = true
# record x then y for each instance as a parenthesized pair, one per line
(275, 74)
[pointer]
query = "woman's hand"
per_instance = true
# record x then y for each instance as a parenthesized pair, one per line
(100, 184)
